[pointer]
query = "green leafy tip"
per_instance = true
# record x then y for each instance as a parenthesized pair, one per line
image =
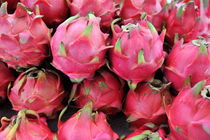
(180, 11)
(88, 30)
(117, 47)
(62, 49)
(141, 57)
(198, 87)
(131, 85)
(69, 20)
(3, 8)
(151, 27)
(95, 59)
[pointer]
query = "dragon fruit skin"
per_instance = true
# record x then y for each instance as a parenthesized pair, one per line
(104, 90)
(189, 114)
(145, 104)
(137, 53)
(78, 47)
(39, 90)
(54, 11)
(104, 9)
(26, 125)
(183, 20)
(188, 62)
(6, 76)
(23, 38)
(11, 4)
(147, 133)
(93, 125)
(134, 8)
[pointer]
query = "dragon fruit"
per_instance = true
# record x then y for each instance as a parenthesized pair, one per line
(145, 104)
(27, 125)
(92, 125)
(11, 4)
(183, 21)
(39, 90)
(188, 63)
(134, 8)
(147, 132)
(104, 90)
(78, 47)
(137, 53)
(6, 77)
(104, 9)
(54, 11)
(188, 115)
(23, 37)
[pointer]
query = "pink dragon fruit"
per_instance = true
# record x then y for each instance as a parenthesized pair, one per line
(54, 11)
(104, 90)
(188, 63)
(188, 115)
(39, 90)
(204, 9)
(134, 8)
(184, 21)
(23, 37)
(144, 133)
(145, 104)
(78, 47)
(92, 125)
(6, 77)
(11, 4)
(27, 125)
(137, 53)
(104, 9)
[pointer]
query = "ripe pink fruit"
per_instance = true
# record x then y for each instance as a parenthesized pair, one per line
(188, 63)
(78, 47)
(184, 21)
(23, 37)
(137, 53)
(145, 104)
(86, 125)
(25, 126)
(188, 115)
(54, 11)
(104, 9)
(144, 133)
(39, 90)
(104, 90)
(134, 8)
(11, 4)
(6, 76)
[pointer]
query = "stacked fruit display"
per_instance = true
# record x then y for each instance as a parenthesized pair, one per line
(146, 61)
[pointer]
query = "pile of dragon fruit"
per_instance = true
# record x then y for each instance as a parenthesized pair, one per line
(147, 60)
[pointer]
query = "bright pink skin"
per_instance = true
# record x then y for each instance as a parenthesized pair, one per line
(134, 8)
(23, 38)
(104, 90)
(39, 90)
(186, 61)
(159, 19)
(145, 105)
(186, 25)
(6, 76)
(104, 9)
(54, 11)
(28, 129)
(204, 9)
(85, 125)
(188, 115)
(11, 4)
(147, 133)
(125, 62)
(81, 53)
